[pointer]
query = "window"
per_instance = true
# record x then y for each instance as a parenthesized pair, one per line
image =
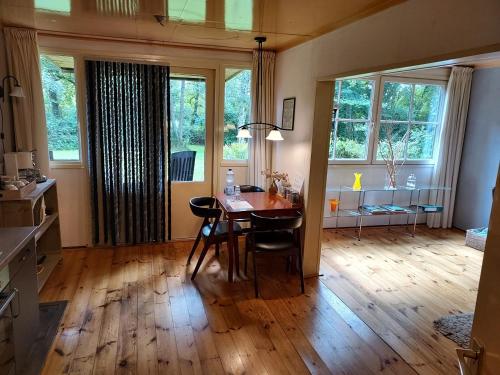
(188, 119)
(352, 119)
(59, 94)
(237, 108)
(410, 114)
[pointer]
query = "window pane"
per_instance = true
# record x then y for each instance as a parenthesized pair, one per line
(59, 95)
(421, 142)
(396, 101)
(352, 140)
(355, 99)
(392, 140)
(426, 101)
(188, 121)
(237, 108)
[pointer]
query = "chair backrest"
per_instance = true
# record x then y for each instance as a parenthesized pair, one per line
(204, 207)
(182, 165)
(251, 189)
(276, 223)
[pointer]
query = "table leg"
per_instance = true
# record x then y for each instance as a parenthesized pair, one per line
(230, 249)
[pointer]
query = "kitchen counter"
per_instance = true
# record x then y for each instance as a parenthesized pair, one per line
(12, 241)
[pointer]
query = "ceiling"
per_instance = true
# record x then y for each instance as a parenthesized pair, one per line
(230, 24)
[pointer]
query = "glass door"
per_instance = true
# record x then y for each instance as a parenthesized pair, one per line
(191, 135)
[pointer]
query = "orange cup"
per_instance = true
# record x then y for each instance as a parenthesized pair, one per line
(334, 203)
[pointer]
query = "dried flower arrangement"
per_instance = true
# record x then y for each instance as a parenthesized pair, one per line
(390, 150)
(275, 177)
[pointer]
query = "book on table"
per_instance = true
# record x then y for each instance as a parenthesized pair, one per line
(394, 208)
(374, 209)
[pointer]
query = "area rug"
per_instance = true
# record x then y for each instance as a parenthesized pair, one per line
(51, 314)
(456, 327)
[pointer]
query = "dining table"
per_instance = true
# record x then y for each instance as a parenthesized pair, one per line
(261, 203)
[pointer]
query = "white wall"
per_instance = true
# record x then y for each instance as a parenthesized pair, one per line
(414, 32)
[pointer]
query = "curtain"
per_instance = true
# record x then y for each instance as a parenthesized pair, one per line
(29, 112)
(450, 150)
(260, 149)
(128, 142)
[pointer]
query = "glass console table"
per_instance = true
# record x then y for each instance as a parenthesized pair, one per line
(417, 204)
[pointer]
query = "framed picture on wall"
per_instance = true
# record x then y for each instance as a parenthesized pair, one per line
(288, 115)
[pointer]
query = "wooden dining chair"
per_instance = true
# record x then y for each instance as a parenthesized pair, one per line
(213, 231)
(274, 236)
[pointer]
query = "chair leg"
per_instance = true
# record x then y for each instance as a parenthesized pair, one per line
(195, 245)
(200, 259)
(246, 254)
(237, 254)
(255, 281)
(217, 248)
(301, 270)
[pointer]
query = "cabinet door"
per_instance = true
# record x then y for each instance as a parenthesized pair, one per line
(25, 307)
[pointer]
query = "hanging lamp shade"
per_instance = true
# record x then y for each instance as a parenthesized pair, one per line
(244, 133)
(274, 135)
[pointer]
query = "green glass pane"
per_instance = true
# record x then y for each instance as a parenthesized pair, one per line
(421, 142)
(59, 95)
(392, 141)
(237, 110)
(426, 100)
(187, 10)
(396, 101)
(355, 99)
(352, 140)
(60, 6)
(188, 119)
(238, 14)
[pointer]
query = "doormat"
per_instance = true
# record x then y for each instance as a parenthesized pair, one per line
(456, 327)
(51, 314)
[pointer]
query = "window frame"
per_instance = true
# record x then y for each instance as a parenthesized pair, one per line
(369, 121)
(438, 123)
(79, 72)
(376, 113)
(229, 162)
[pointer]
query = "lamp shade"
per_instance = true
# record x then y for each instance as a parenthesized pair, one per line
(274, 135)
(243, 133)
(17, 91)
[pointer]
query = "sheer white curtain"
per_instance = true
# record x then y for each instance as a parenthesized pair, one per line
(260, 149)
(452, 139)
(28, 113)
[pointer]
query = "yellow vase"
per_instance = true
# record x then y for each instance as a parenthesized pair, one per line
(357, 181)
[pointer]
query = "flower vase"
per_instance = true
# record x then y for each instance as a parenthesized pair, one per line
(391, 181)
(357, 181)
(273, 189)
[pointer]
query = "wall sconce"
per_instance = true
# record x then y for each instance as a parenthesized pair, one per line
(17, 90)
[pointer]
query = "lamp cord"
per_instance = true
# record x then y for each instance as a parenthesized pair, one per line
(2, 135)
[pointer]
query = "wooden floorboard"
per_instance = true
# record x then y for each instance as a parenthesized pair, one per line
(134, 310)
(399, 285)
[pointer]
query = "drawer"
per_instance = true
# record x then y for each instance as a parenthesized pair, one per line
(19, 260)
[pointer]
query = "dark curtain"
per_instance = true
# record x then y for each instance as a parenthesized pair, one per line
(127, 125)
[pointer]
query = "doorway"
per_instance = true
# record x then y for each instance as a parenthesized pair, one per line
(192, 140)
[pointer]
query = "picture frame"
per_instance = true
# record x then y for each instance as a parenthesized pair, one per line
(288, 114)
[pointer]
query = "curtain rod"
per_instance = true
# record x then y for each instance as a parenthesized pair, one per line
(62, 34)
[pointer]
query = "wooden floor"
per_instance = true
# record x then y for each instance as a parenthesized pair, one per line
(134, 310)
(399, 285)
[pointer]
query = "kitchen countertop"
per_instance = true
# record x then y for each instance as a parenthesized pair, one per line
(13, 240)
